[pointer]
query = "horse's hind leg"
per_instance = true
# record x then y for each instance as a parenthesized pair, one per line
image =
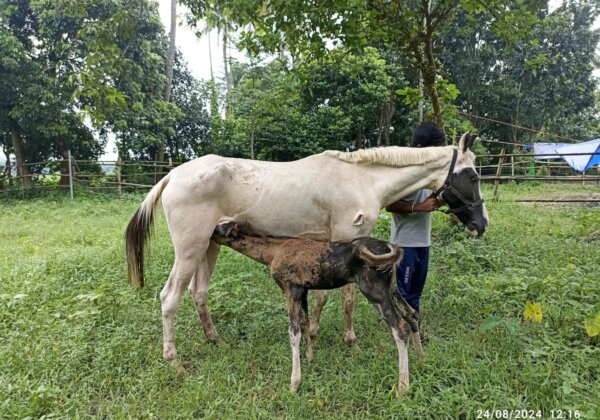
(170, 297)
(199, 291)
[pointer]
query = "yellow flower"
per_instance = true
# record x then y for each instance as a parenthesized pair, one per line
(592, 326)
(533, 312)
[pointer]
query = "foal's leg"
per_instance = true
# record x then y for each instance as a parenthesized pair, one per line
(400, 335)
(321, 297)
(378, 294)
(305, 327)
(199, 291)
(418, 346)
(347, 294)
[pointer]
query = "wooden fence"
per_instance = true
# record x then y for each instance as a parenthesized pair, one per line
(117, 177)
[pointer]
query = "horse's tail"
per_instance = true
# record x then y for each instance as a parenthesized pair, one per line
(138, 231)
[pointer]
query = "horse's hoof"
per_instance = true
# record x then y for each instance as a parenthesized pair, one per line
(309, 355)
(350, 338)
(294, 386)
(169, 355)
(178, 366)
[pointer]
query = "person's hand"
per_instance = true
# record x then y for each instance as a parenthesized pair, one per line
(429, 205)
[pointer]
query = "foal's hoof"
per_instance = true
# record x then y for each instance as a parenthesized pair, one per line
(218, 341)
(314, 330)
(309, 355)
(400, 390)
(354, 347)
(178, 366)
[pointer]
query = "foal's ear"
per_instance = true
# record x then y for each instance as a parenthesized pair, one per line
(466, 141)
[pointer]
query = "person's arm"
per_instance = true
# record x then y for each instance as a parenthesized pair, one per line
(410, 207)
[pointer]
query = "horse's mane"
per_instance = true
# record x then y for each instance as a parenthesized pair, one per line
(392, 155)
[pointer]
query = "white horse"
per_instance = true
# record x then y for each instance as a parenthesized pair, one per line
(331, 196)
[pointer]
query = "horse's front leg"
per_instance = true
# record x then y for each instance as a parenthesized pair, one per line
(347, 293)
(294, 302)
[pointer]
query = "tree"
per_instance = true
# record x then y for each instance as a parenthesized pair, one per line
(357, 85)
(541, 81)
(40, 50)
(191, 130)
(122, 82)
(170, 62)
(307, 29)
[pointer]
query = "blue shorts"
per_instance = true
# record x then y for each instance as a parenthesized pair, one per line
(411, 274)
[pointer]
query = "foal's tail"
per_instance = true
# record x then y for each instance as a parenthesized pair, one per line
(138, 232)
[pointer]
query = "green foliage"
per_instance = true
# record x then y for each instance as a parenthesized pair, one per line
(330, 103)
(542, 80)
(77, 341)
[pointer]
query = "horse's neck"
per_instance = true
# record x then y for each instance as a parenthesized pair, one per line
(392, 184)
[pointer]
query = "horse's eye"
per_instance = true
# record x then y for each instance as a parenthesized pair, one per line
(475, 179)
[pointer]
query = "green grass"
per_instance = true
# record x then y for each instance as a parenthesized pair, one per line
(76, 341)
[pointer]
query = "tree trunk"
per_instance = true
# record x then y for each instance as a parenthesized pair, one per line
(209, 54)
(385, 121)
(252, 141)
(226, 70)
(422, 48)
(8, 165)
(160, 153)
(17, 142)
(225, 63)
(358, 143)
(429, 74)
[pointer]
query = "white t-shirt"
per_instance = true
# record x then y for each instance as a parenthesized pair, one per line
(412, 230)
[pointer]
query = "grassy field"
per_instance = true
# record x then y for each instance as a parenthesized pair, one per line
(76, 341)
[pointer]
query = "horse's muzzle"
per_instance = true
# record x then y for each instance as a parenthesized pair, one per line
(475, 230)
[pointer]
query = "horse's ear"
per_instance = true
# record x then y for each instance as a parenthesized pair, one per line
(466, 141)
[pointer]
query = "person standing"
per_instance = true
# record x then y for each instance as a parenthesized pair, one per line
(411, 225)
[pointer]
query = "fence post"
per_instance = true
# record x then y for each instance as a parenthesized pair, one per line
(118, 171)
(512, 166)
(70, 175)
(498, 173)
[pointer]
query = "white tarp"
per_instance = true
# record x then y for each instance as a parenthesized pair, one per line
(581, 163)
(541, 149)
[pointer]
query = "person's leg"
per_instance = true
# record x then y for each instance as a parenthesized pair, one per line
(405, 272)
(418, 278)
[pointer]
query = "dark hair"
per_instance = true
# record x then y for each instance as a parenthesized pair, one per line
(427, 134)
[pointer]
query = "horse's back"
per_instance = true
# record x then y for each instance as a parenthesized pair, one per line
(298, 198)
